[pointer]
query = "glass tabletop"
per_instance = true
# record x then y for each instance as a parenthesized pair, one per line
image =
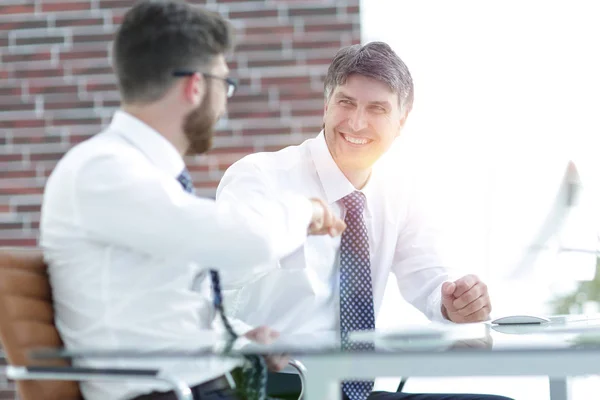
(427, 338)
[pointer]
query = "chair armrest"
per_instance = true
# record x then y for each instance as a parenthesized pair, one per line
(181, 389)
(300, 368)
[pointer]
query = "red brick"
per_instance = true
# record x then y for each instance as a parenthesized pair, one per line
(301, 94)
(17, 242)
(272, 30)
(6, 26)
(320, 11)
(272, 63)
(74, 139)
(20, 41)
(115, 3)
(76, 121)
(319, 61)
(313, 44)
(66, 22)
(21, 190)
(49, 6)
(118, 19)
(46, 89)
(45, 156)
(5, 226)
(86, 53)
(101, 87)
(245, 114)
(68, 104)
(27, 208)
(27, 57)
(11, 157)
(232, 150)
(345, 26)
(94, 70)
(264, 13)
(287, 80)
(274, 46)
(19, 174)
(245, 98)
(316, 112)
(37, 139)
(16, 106)
(38, 73)
(111, 103)
(101, 37)
(10, 91)
(17, 9)
(283, 130)
(25, 123)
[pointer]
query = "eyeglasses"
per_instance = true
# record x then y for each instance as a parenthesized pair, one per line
(230, 82)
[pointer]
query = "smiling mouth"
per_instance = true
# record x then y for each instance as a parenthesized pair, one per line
(355, 140)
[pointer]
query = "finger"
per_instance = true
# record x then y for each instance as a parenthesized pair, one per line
(338, 226)
(327, 217)
(465, 283)
(478, 316)
(448, 289)
(468, 297)
(277, 363)
(473, 307)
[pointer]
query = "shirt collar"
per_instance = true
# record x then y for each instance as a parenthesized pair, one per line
(335, 184)
(154, 145)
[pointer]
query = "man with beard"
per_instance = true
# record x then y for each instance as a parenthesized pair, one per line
(336, 285)
(128, 245)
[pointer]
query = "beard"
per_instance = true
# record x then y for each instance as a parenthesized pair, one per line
(198, 127)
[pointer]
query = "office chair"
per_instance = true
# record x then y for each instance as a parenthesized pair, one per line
(27, 322)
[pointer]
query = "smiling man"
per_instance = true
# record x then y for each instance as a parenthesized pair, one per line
(337, 283)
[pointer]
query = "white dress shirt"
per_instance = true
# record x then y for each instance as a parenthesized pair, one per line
(127, 247)
(300, 293)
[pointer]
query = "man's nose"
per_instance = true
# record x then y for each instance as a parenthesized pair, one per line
(358, 120)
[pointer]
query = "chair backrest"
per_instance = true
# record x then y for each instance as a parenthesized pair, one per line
(27, 321)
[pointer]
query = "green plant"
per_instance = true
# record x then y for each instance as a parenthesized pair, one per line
(588, 291)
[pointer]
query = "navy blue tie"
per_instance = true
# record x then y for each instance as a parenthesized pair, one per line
(356, 289)
(255, 374)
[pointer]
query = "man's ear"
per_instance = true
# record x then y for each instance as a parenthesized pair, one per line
(401, 124)
(194, 88)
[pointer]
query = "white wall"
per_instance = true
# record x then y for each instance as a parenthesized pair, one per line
(506, 93)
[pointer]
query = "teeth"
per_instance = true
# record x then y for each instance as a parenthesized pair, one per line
(355, 141)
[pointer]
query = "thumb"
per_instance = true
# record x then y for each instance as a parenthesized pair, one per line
(448, 289)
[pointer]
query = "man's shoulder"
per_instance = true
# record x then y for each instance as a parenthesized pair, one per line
(104, 146)
(290, 157)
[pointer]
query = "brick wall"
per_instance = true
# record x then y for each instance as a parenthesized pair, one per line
(57, 89)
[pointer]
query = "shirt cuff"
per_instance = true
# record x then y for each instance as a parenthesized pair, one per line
(435, 306)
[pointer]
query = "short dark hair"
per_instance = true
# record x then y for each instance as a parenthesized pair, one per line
(157, 37)
(376, 60)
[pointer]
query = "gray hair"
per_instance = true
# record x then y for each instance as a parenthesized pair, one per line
(376, 60)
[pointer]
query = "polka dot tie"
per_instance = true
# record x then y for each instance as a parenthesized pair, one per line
(255, 371)
(356, 290)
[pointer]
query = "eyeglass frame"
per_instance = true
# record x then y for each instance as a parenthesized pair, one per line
(231, 83)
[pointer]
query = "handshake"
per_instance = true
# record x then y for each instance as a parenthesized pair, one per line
(324, 221)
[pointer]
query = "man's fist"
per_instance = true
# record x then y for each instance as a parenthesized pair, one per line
(466, 300)
(266, 335)
(324, 221)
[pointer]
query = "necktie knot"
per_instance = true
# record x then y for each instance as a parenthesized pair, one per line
(185, 179)
(354, 202)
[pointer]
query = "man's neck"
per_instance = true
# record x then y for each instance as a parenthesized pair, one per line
(358, 178)
(156, 118)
